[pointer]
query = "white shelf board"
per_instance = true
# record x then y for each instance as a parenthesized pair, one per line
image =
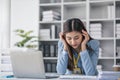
(118, 38)
(101, 1)
(106, 58)
(117, 0)
(117, 19)
(75, 3)
(107, 38)
(50, 4)
(47, 22)
(49, 40)
(117, 57)
(51, 58)
(104, 19)
(84, 20)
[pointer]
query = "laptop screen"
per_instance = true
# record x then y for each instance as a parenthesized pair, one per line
(27, 64)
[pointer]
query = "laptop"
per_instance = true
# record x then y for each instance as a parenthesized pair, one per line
(27, 64)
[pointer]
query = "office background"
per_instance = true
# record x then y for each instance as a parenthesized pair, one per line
(101, 17)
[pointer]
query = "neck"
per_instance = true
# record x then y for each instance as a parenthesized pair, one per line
(78, 49)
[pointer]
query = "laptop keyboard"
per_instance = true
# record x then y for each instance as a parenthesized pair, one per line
(71, 76)
(77, 77)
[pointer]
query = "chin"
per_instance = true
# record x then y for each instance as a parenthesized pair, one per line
(75, 47)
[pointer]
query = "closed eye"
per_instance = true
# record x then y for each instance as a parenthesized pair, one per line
(68, 38)
(76, 38)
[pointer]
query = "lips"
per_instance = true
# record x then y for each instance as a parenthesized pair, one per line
(74, 45)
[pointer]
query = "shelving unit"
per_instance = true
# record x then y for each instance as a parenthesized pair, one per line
(104, 12)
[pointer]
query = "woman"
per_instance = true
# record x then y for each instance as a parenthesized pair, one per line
(77, 51)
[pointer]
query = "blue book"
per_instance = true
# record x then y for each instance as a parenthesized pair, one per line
(8, 76)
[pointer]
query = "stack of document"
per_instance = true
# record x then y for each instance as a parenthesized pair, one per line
(111, 11)
(118, 50)
(99, 68)
(96, 30)
(100, 52)
(108, 75)
(118, 30)
(50, 15)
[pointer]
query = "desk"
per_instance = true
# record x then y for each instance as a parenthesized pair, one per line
(46, 79)
(53, 76)
(105, 74)
(42, 79)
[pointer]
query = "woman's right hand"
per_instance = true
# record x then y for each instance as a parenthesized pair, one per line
(62, 38)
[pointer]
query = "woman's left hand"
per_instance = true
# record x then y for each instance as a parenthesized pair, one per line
(86, 39)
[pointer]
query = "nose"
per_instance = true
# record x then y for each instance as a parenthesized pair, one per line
(73, 42)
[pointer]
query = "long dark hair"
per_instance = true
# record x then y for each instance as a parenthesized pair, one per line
(70, 25)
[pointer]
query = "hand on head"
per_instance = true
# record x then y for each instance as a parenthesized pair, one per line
(62, 38)
(86, 37)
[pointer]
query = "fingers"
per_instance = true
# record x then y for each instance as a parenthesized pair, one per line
(85, 34)
(61, 35)
(62, 38)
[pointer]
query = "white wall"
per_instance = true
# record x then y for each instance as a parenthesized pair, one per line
(0, 22)
(4, 24)
(24, 15)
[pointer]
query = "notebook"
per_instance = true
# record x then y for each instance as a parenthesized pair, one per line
(27, 64)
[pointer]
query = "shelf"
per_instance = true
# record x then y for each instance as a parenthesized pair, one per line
(118, 38)
(117, 18)
(50, 7)
(107, 38)
(117, 57)
(101, 1)
(51, 58)
(75, 3)
(104, 19)
(48, 22)
(64, 1)
(84, 20)
(49, 1)
(106, 58)
(50, 4)
(49, 40)
(69, 11)
(117, 0)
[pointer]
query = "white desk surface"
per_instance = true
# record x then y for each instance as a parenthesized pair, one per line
(38, 79)
(44, 79)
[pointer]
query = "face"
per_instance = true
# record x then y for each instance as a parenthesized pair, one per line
(74, 39)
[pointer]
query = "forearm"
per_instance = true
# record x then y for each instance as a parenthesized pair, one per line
(83, 47)
(88, 65)
(62, 62)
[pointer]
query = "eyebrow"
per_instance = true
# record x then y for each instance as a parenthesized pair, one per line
(70, 37)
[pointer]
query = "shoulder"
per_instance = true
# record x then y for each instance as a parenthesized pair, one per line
(93, 43)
